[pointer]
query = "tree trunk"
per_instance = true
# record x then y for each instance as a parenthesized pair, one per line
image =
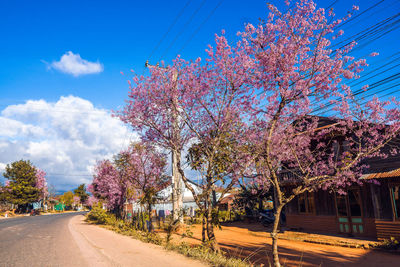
(274, 236)
(143, 221)
(210, 228)
(203, 228)
(177, 204)
(150, 228)
(260, 204)
(214, 199)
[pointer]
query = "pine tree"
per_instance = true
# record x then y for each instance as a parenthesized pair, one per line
(21, 188)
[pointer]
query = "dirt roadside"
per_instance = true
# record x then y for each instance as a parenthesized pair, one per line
(102, 247)
(237, 241)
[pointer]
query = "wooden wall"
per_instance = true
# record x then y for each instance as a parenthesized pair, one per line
(387, 229)
(320, 223)
(329, 225)
(369, 227)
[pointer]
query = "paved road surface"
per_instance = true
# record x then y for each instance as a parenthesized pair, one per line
(38, 241)
(66, 240)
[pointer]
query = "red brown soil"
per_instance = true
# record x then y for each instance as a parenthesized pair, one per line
(255, 246)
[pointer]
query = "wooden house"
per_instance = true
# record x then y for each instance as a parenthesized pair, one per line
(369, 210)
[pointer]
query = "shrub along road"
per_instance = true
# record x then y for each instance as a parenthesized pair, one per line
(66, 240)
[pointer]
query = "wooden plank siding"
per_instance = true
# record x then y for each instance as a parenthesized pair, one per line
(369, 228)
(309, 222)
(387, 229)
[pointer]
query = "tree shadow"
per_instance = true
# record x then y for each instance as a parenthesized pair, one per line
(325, 256)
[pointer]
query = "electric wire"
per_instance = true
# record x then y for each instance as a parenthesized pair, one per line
(169, 28)
(200, 26)
(183, 28)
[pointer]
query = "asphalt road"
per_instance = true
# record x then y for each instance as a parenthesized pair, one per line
(39, 241)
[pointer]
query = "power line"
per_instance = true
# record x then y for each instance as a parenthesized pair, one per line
(200, 26)
(183, 28)
(358, 15)
(365, 32)
(169, 29)
(375, 85)
(332, 4)
(376, 12)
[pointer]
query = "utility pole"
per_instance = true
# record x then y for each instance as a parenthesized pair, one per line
(177, 184)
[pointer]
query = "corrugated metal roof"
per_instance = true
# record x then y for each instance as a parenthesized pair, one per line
(380, 175)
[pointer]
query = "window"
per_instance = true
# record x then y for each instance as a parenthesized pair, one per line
(395, 195)
(341, 205)
(349, 204)
(355, 203)
(306, 203)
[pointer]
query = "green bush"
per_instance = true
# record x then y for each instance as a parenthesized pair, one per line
(389, 244)
(228, 216)
(98, 215)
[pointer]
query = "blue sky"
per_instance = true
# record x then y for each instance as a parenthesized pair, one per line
(119, 36)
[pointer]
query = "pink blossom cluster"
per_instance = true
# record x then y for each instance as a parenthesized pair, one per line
(134, 173)
(108, 184)
(91, 201)
(76, 200)
(41, 183)
(145, 169)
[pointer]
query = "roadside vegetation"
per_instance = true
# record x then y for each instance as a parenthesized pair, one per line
(250, 112)
(200, 252)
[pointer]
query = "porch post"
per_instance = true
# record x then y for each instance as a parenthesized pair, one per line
(375, 201)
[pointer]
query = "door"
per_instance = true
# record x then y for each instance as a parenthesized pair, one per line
(349, 212)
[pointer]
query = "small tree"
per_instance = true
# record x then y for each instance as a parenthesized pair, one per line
(110, 184)
(212, 108)
(252, 196)
(153, 110)
(3, 197)
(145, 168)
(80, 191)
(52, 195)
(41, 184)
(67, 198)
(21, 189)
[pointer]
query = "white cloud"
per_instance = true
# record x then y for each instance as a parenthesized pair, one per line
(64, 138)
(71, 63)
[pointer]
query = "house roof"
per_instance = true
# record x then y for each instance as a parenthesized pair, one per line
(227, 199)
(380, 175)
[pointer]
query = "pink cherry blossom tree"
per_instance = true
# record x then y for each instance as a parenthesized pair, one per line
(109, 185)
(294, 73)
(145, 168)
(41, 183)
(153, 109)
(201, 104)
(213, 110)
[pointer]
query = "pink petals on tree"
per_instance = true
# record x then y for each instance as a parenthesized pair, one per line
(41, 183)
